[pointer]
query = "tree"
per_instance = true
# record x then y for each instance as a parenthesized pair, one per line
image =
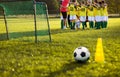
(53, 5)
(113, 6)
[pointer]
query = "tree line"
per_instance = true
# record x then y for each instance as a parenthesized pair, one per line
(53, 5)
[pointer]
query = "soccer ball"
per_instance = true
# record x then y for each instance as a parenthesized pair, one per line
(81, 54)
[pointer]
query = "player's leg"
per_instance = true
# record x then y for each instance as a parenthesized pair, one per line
(64, 14)
(89, 19)
(83, 19)
(95, 22)
(92, 22)
(77, 24)
(74, 18)
(61, 17)
(68, 19)
(106, 21)
(86, 21)
(71, 22)
(98, 22)
(102, 21)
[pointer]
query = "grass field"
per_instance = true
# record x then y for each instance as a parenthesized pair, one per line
(55, 59)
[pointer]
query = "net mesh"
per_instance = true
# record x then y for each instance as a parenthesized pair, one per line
(42, 16)
(20, 20)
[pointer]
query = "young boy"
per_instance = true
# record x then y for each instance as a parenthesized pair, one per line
(97, 14)
(102, 15)
(90, 15)
(72, 12)
(77, 22)
(83, 14)
(105, 14)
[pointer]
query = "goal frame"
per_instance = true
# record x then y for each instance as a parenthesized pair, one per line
(35, 22)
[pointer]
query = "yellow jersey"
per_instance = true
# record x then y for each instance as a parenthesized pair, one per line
(101, 11)
(90, 11)
(97, 11)
(68, 12)
(78, 10)
(83, 11)
(105, 11)
(72, 9)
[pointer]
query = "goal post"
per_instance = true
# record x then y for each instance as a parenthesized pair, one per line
(41, 14)
(5, 35)
(27, 20)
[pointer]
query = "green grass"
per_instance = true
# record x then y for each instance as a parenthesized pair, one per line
(55, 59)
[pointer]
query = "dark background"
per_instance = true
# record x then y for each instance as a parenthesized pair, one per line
(53, 5)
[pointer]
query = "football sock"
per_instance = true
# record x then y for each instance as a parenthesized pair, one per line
(105, 24)
(97, 25)
(102, 24)
(70, 25)
(92, 24)
(62, 24)
(83, 24)
(73, 25)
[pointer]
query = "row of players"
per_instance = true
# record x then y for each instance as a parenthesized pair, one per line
(79, 13)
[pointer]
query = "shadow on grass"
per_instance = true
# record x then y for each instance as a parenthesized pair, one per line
(3, 37)
(56, 31)
(67, 67)
(15, 35)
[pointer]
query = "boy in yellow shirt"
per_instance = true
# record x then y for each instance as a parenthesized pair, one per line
(102, 15)
(72, 12)
(97, 14)
(77, 22)
(83, 14)
(105, 14)
(90, 15)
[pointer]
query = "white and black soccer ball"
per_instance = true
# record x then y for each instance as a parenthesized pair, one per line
(81, 54)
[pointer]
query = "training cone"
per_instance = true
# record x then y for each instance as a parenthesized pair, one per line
(99, 54)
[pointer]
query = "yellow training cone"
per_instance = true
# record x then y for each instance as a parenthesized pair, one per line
(99, 54)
